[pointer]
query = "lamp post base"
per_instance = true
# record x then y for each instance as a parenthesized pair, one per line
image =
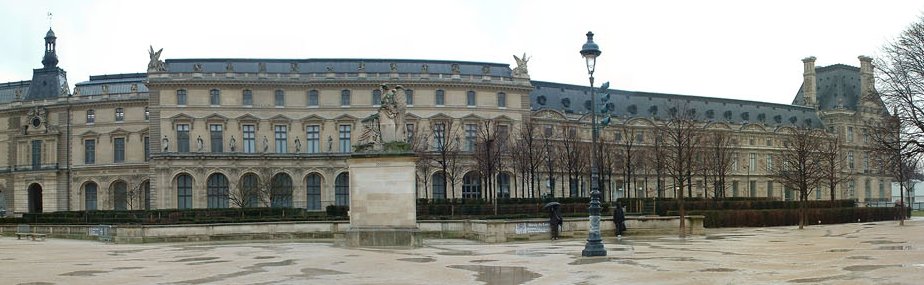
(593, 248)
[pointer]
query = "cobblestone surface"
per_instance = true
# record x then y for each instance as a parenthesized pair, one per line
(860, 253)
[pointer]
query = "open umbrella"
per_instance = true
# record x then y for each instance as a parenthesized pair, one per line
(551, 204)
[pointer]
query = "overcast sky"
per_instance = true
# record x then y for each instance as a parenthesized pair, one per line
(747, 50)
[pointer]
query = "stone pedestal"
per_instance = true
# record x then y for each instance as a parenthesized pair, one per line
(383, 209)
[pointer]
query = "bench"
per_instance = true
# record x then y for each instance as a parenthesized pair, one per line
(26, 231)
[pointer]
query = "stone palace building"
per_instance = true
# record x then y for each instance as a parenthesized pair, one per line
(188, 130)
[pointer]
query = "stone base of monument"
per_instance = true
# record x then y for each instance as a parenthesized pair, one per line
(382, 237)
(383, 209)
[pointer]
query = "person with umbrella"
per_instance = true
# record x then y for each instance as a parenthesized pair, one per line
(555, 220)
(619, 219)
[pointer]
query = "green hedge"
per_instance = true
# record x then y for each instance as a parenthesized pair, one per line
(176, 216)
(478, 209)
(789, 217)
(663, 206)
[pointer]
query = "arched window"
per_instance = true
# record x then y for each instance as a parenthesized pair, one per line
(439, 186)
(342, 189)
(281, 191)
(250, 190)
(471, 186)
(313, 183)
(217, 191)
(503, 185)
(89, 196)
(184, 191)
(214, 97)
(120, 196)
(470, 98)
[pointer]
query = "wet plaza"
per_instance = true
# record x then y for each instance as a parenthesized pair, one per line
(859, 253)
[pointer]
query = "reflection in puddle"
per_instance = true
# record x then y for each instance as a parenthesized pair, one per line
(881, 242)
(867, 267)
(718, 270)
(457, 253)
(264, 257)
(195, 259)
(482, 261)
(862, 257)
(499, 274)
(309, 272)
(83, 273)
(817, 279)
(418, 259)
(895, 247)
(840, 250)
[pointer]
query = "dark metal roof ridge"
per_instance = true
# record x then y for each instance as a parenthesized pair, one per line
(16, 83)
(674, 96)
(276, 60)
(118, 76)
(837, 66)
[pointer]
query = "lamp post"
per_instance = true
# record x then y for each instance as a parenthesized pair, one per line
(594, 246)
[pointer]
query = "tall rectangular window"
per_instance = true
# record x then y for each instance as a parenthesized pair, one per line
(409, 97)
(118, 150)
(470, 98)
(280, 98)
(734, 161)
(752, 162)
(734, 188)
(313, 98)
(470, 134)
(865, 163)
(502, 100)
(216, 133)
(376, 97)
(850, 160)
(769, 163)
(119, 115)
(770, 189)
(345, 146)
(247, 98)
(410, 132)
(752, 188)
(849, 134)
(345, 98)
(36, 154)
(214, 97)
(440, 98)
(147, 114)
(250, 139)
(147, 148)
(182, 138)
(181, 97)
(439, 136)
(89, 151)
(313, 137)
(91, 116)
(282, 140)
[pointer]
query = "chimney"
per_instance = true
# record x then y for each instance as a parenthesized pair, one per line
(808, 81)
(866, 77)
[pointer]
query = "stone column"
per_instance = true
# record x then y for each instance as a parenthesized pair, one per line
(808, 81)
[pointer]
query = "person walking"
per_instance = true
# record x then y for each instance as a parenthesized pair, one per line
(619, 219)
(555, 221)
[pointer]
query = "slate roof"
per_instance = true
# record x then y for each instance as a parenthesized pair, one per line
(837, 87)
(8, 90)
(632, 104)
(118, 83)
(337, 65)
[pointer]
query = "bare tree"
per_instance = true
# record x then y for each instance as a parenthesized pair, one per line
(834, 161)
(424, 162)
(528, 155)
(628, 146)
(135, 195)
(717, 151)
(572, 157)
(800, 165)
(549, 158)
(681, 137)
(901, 85)
(890, 138)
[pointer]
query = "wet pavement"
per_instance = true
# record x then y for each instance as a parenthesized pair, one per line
(867, 253)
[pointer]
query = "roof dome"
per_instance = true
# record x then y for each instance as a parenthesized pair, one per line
(50, 34)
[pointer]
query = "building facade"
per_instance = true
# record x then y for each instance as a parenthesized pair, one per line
(190, 133)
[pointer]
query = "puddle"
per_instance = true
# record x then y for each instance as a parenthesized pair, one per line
(496, 275)
(277, 263)
(457, 253)
(856, 268)
(881, 242)
(592, 260)
(862, 257)
(840, 250)
(83, 273)
(895, 247)
(418, 259)
(207, 262)
(264, 257)
(817, 279)
(309, 272)
(718, 270)
(36, 283)
(127, 268)
(253, 269)
(482, 260)
(196, 259)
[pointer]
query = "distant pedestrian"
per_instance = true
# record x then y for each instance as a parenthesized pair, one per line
(555, 222)
(619, 219)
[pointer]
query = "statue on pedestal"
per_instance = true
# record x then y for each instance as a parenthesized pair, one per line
(386, 125)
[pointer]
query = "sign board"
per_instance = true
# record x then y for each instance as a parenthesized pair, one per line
(103, 232)
(529, 228)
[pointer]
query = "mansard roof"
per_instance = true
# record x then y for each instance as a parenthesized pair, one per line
(8, 90)
(117, 84)
(574, 99)
(337, 65)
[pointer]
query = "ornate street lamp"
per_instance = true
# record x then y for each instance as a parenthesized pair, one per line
(594, 245)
